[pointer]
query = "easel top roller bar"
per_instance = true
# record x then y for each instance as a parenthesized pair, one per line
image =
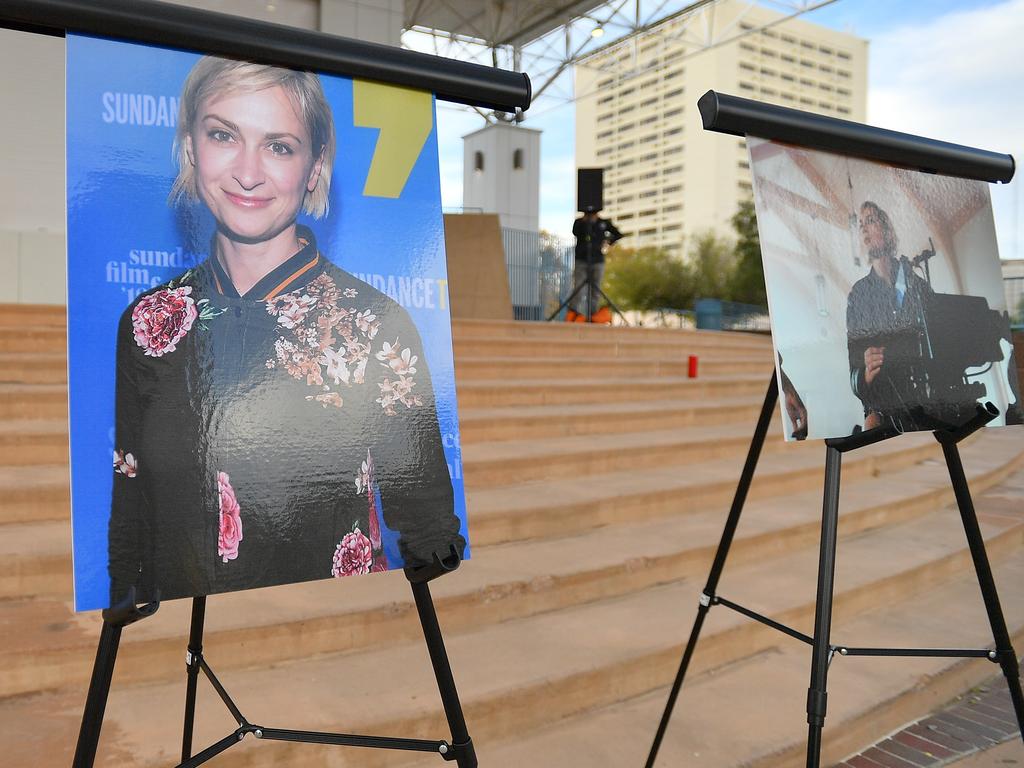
(740, 117)
(176, 26)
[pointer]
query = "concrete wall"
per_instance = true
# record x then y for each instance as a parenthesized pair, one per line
(477, 276)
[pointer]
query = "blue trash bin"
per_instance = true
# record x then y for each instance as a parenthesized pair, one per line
(709, 314)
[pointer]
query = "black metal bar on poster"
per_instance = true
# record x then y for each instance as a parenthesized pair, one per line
(223, 34)
(742, 117)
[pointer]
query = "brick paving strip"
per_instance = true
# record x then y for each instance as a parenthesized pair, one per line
(979, 719)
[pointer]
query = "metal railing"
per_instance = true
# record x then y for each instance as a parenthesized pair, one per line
(539, 272)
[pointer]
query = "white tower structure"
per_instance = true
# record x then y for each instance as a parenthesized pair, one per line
(501, 174)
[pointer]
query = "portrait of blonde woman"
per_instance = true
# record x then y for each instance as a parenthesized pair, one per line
(274, 414)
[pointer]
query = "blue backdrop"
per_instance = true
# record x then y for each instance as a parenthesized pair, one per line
(122, 104)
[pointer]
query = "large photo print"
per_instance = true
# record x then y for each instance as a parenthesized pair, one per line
(260, 366)
(885, 292)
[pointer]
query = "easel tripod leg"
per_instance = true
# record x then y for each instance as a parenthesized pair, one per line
(740, 497)
(1006, 656)
(817, 694)
(96, 700)
(461, 743)
(195, 654)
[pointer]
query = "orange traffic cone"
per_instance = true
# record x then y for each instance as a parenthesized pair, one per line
(603, 316)
(570, 315)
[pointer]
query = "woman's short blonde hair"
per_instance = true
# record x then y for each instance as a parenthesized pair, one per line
(213, 75)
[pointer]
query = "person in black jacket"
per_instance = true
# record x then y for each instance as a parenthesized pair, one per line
(274, 414)
(592, 233)
(885, 328)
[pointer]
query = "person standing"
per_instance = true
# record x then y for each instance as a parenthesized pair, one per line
(592, 234)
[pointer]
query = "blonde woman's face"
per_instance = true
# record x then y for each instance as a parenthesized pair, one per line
(253, 160)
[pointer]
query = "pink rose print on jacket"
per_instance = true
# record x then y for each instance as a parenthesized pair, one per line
(230, 519)
(125, 463)
(162, 319)
(353, 555)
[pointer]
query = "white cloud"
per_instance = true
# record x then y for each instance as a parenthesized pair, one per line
(958, 78)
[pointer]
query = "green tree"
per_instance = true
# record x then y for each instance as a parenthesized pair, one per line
(647, 278)
(746, 283)
(711, 265)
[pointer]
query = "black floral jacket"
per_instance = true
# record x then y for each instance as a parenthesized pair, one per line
(263, 439)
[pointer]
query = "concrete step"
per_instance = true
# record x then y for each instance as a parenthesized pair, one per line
(34, 494)
(542, 422)
(509, 369)
(33, 368)
(538, 670)
(33, 314)
(502, 329)
(499, 584)
(33, 338)
(545, 508)
(683, 344)
(513, 462)
(33, 401)
(751, 713)
(568, 389)
(26, 443)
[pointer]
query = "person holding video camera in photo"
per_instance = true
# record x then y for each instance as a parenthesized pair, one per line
(885, 328)
(592, 233)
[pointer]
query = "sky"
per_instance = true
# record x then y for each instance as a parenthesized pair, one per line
(946, 69)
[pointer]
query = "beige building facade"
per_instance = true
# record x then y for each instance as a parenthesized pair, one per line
(636, 113)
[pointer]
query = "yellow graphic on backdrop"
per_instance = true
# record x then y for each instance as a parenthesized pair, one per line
(405, 118)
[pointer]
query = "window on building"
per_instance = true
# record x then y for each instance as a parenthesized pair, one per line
(825, 87)
(673, 189)
(626, 92)
(605, 99)
(648, 157)
(788, 78)
(648, 232)
(604, 135)
(625, 145)
(648, 138)
(604, 116)
(768, 72)
(648, 193)
(827, 70)
(843, 55)
(649, 120)
(807, 44)
(672, 171)
(674, 112)
(744, 165)
(478, 162)
(673, 94)
(626, 127)
(648, 103)
(769, 53)
(671, 227)
(624, 163)
(626, 110)
(605, 83)
(746, 86)
(517, 159)
(788, 39)
(672, 208)
(788, 59)
(648, 175)
(825, 50)
(603, 152)
(673, 73)
(806, 63)
(843, 91)
(673, 131)
(747, 66)
(769, 93)
(843, 110)
(747, 47)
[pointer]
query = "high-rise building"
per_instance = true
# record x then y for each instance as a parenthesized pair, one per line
(636, 113)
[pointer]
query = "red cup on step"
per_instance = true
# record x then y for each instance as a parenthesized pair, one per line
(692, 368)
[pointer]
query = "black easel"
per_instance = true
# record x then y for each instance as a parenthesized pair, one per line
(591, 288)
(459, 749)
(822, 647)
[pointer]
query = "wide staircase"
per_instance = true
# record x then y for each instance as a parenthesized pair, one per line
(598, 480)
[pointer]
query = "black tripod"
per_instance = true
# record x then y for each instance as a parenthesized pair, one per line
(591, 287)
(822, 648)
(459, 749)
